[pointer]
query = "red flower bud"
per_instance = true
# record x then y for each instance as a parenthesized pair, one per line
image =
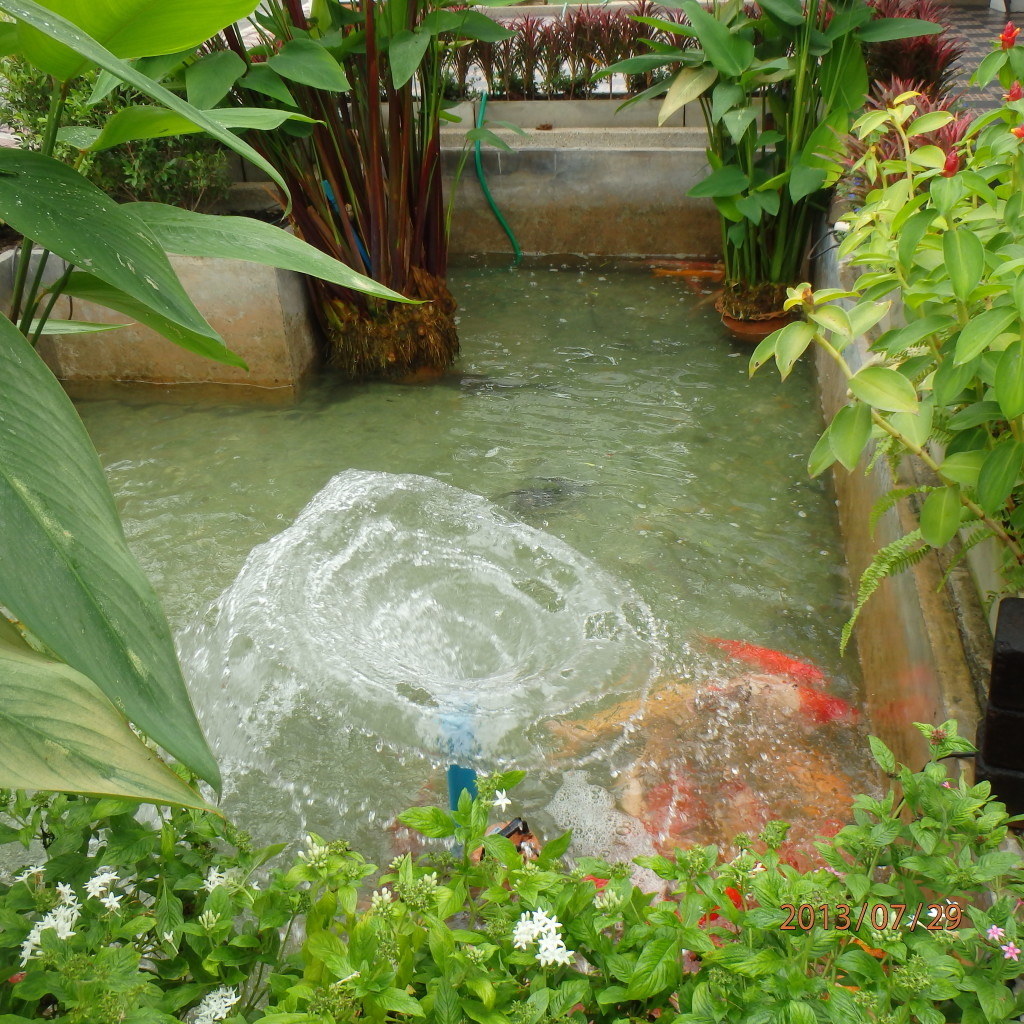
(1018, 131)
(15, 978)
(1015, 93)
(952, 164)
(1009, 35)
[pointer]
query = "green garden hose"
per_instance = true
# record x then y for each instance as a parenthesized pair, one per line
(487, 192)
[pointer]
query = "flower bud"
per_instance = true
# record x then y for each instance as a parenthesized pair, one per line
(952, 164)
(1009, 35)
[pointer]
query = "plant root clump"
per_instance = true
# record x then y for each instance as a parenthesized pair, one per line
(743, 301)
(395, 340)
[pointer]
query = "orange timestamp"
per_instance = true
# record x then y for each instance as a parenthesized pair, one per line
(880, 916)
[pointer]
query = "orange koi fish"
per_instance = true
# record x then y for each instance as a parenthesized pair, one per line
(768, 660)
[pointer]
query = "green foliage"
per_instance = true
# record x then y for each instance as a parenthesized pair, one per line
(85, 645)
(946, 388)
(909, 911)
(775, 83)
(190, 173)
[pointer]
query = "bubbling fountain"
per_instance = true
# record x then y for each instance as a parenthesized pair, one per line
(400, 619)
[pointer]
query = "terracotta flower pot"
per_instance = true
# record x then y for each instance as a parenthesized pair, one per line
(755, 331)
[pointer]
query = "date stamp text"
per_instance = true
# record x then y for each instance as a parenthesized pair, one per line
(934, 917)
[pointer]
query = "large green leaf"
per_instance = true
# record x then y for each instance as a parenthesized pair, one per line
(1009, 381)
(849, 434)
(65, 569)
(241, 238)
(405, 51)
(207, 81)
(84, 286)
(687, 85)
(726, 181)
(147, 122)
(940, 516)
(964, 257)
(55, 206)
(980, 331)
(884, 389)
(69, 34)
(999, 474)
(730, 53)
(128, 29)
(882, 30)
(308, 63)
(58, 732)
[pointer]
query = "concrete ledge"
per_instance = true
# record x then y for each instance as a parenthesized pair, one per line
(262, 313)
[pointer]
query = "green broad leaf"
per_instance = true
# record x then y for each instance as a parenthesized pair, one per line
(143, 122)
(849, 434)
(59, 732)
(398, 1001)
(931, 157)
(65, 569)
(488, 137)
(504, 850)
(765, 350)
(730, 53)
(738, 121)
(930, 122)
(964, 257)
(789, 12)
(865, 315)
(791, 344)
(896, 342)
(58, 209)
(950, 380)
(821, 456)
(308, 63)
(127, 29)
(883, 756)
(406, 50)
(79, 136)
(870, 121)
(964, 467)
(1009, 385)
(657, 969)
(999, 474)
(262, 79)
(187, 233)
(9, 38)
(981, 330)
(71, 327)
(210, 79)
(880, 30)
(724, 97)
(446, 1003)
(989, 67)
(84, 286)
(915, 428)
(910, 236)
(428, 821)
(884, 389)
(726, 181)
(687, 85)
(750, 208)
(940, 516)
(474, 25)
(805, 180)
(68, 33)
(835, 319)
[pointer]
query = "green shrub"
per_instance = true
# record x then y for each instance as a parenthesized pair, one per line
(189, 171)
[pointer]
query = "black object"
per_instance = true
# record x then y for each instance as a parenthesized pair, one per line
(1000, 758)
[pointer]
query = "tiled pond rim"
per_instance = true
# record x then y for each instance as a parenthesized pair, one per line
(925, 648)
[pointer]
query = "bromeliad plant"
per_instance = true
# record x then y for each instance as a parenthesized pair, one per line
(365, 175)
(775, 84)
(84, 646)
(945, 388)
(912, 915)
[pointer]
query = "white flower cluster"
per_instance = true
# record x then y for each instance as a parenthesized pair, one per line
(98, 887)
(214, 1007)
(62, 919)
(214, 877)
(540, 928)
(315, 855)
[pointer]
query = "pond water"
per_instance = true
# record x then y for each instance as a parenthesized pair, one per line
(525, 564)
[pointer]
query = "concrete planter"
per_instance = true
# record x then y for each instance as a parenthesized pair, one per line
(262, 313)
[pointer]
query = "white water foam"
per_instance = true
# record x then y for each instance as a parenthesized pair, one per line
(398, 611)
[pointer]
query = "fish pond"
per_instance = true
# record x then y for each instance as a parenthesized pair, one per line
(575, 554)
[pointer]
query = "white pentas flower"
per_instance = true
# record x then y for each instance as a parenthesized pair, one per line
(501, 800)
(315, 854)
(30, 873)
(215, 1006)
(62, 919)
(214, 877)
(542, 928)
(101, 883)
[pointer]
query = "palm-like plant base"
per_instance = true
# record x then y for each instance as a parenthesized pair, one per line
(395, 340)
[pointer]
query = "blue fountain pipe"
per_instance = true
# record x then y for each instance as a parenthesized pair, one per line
(458, 731)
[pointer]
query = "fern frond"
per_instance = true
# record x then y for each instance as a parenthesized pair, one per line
(890, 498)
(894, 558)
(886, 447)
